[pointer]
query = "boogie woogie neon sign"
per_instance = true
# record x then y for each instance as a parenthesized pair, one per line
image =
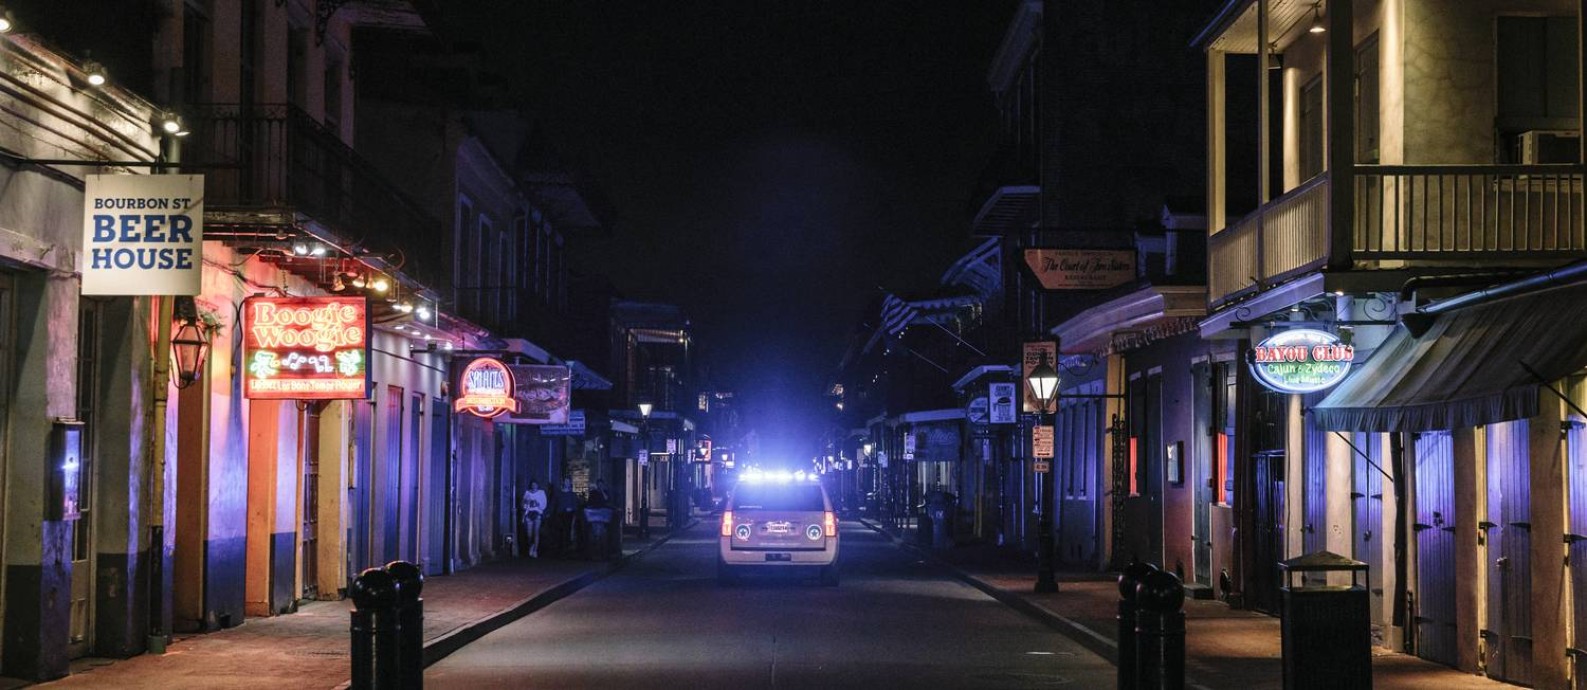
(305, 348)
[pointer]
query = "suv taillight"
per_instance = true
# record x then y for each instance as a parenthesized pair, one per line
(727, 523)
(829, 524)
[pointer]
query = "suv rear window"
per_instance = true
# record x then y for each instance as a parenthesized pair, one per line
(805, 497)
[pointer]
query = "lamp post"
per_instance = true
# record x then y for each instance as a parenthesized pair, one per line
(1043, 380)
(644, 470)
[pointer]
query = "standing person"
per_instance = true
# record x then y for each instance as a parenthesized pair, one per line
(565, 506)
(534, 506)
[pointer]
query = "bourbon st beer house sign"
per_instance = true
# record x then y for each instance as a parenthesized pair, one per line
(143, 234)
(1302, 360)
(305, 348)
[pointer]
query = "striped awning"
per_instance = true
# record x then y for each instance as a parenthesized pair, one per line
(1474, 366)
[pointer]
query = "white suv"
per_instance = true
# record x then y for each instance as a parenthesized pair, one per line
(777, 521)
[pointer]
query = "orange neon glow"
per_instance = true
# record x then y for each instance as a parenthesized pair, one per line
(305, 348)
(829, 524)
(1221, 477)
(1135, 474)
(727, 523)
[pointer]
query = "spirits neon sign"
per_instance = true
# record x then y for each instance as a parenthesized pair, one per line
(305, 348)
(486, 389)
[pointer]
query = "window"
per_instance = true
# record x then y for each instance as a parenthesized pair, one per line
(1311, 129)
(297, 67)
(462, 275)
(1367, 108)
(196, 58)
(333, 90)
(1537, 71)
(487, 267)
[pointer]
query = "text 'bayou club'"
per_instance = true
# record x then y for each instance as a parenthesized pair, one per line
(1302, 360)
(143, 234)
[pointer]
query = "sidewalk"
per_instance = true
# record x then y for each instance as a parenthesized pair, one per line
(1224, 647)
(309, 649)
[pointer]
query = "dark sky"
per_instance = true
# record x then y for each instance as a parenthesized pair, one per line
(769, 163)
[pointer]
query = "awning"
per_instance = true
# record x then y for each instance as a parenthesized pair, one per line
(1468, 369)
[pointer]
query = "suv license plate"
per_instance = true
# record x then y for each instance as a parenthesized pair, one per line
(779, 556)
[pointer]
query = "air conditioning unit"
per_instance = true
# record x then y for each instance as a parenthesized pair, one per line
(1541, 146)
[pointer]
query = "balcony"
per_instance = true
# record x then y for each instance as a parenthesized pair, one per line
(1405, 217)
(272, 166)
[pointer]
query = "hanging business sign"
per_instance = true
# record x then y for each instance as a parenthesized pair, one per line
(574, 426)
(305, 348)
(1002, 400)
(1081, 269)
(485, 389)
(543, 394)
(143, 234)
(1041, 442)
(975, 412)
(1302, 360)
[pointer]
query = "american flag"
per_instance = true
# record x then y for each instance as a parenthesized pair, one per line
(896, 314)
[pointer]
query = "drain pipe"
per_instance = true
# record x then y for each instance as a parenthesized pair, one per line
(1419, 321)
(1558, 276)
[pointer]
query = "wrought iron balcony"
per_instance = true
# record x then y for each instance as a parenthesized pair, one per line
(271, 165)
(1405, 217)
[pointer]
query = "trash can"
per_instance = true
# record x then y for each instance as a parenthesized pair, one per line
(939, 507)
(1327, 629)
(597, 545)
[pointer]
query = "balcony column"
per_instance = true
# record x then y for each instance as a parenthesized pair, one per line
(1217, 143)
(1341, 133)
(1264, 182)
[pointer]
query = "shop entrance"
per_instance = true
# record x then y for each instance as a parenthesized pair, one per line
(1509, 535)
(80, 635)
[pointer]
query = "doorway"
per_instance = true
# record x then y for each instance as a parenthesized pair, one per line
(1434, 528)
(80, 638)
(1509, 536)
(1268, 503)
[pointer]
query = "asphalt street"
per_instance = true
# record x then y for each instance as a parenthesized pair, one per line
(663, 622)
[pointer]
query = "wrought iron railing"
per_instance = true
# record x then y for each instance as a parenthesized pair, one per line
(275, 160)
(1281, 239)
(1406, 214)
(1445, 211)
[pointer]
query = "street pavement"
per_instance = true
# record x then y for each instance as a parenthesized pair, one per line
(1224, 647)
(309, 648)
(896, 620)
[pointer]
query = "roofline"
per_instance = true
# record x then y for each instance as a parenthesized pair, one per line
(1220, 22)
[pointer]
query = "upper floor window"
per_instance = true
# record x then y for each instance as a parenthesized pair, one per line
(1311, 129)
(1537, 69)
(462, 258)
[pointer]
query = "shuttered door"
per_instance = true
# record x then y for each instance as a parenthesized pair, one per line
(1576, 470)
(1314, 530)
(1366, 500)
(1434, 527)
(1509, 632)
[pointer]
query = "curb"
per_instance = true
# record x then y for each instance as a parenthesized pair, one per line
(457, 638)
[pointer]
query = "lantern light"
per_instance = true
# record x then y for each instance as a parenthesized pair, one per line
(1044, 382)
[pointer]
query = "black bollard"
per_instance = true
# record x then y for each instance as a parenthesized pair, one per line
(410, 623)
(1129, 578)
(374, 594)
(1160, 632)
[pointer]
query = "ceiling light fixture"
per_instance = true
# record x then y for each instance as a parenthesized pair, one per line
(7, 22)
(94, 72)
(1317, 26)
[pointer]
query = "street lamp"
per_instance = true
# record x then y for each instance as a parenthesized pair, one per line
(1043, 381)
(644, 470)
(190, 347)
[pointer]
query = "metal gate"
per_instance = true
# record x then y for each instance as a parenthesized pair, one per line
(1268, 500)
(1434, 526)
(1576, 552)
(1509, 537)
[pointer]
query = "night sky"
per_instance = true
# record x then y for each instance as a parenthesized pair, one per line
(769, 164)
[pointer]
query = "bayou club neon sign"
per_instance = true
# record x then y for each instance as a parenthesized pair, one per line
(486, 389)
(1303, 360)
(305, 348)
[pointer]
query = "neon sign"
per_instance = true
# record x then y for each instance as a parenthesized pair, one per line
(486, 389)
(305, 348)
(1303, 360)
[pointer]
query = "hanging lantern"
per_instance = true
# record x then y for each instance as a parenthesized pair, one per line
(190, 347)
